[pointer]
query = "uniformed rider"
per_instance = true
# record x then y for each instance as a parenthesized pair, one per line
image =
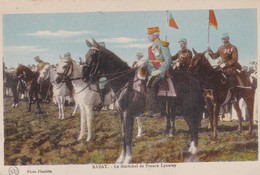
(183, 57)
(229, 56)
(39, 67)
(157, 65)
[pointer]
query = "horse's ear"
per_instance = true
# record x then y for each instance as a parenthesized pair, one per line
(204, 52)
(89, 44)
(194, 51)
(60, 57)
(95, 43)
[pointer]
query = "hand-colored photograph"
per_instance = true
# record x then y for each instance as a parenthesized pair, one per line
(169, 86)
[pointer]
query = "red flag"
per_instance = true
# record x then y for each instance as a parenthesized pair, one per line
(212, 19)
(172, 22)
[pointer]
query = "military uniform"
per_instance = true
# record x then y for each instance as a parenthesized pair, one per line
(229, 56)
(229, 65)
(40, 65)
(157, 65)
(159, 58)
(184, 58)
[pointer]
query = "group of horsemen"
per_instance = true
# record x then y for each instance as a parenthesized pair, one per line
(160, 60)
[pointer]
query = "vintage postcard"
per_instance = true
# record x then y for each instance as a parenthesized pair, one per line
(129, 87)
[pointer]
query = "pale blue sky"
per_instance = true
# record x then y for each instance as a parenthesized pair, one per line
(125, 33)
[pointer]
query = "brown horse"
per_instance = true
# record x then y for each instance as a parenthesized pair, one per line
(217, 91)
(30, 77)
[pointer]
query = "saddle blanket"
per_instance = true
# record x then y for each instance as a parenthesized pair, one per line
(166, 87)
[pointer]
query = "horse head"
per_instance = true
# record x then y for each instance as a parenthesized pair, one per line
(94, 62)
(100, 61)
(198, 62)
(24, 73)
(64, 69)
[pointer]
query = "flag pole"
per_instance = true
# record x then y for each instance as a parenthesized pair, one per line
(208, 35)
(167, 21)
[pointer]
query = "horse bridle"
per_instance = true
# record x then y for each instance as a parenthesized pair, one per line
(64, 76)
(94, 69)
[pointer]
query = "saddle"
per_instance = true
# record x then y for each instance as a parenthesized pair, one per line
(166, 87)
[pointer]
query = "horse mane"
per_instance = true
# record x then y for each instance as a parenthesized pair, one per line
(22, 68)
(112, 56)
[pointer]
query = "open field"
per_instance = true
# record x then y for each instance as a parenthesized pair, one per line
(36, 139)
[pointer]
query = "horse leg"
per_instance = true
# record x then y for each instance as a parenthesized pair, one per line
(249, 99)
(82, 121)
(140, 125)
(89, 116)
(171, 114)
(58, 100)
(127, 127)
(75, 110)
(216, 109)
(123, 152)
(30, 102)
(210, 113)
(192, 121)
(62, 107)
(239, 115)
(38, 103)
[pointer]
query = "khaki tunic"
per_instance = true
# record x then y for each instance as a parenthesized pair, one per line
(184, 58)
(229, 56)
(40, 66)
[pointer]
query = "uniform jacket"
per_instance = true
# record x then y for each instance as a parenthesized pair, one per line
(40, 66)
(229, 56)
(159, 51)
(184, 58)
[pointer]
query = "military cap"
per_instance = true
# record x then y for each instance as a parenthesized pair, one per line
(103, 44)
(184, 40)
(152, 30)
(225, 36)
(139, 54)
(37, 58)
(67, 54)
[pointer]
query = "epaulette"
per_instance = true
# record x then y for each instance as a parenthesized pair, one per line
(165, 43)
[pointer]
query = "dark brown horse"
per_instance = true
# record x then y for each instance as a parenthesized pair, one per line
(217, 91)
(30, 77)
(101, 62)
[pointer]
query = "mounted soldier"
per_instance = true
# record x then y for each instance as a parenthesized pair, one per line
(39, 67)
(229, 64)
(183, 57)
(157, 65)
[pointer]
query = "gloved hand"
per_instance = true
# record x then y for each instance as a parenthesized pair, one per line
(222, 65)
(140, 63)
(156, 72)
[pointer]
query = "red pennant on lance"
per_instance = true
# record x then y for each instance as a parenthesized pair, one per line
(212, 19)
(172, 22)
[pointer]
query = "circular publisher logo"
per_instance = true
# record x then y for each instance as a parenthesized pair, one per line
(13, 171)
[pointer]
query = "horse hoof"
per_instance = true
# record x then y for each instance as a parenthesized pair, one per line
(88, 139)
(127, 159)
(139, 136)
(239, 131)
(80, 138)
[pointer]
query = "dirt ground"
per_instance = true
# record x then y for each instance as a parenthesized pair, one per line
(36, 139)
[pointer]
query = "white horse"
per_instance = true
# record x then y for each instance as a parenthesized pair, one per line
(86, 95)
(60, 90)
